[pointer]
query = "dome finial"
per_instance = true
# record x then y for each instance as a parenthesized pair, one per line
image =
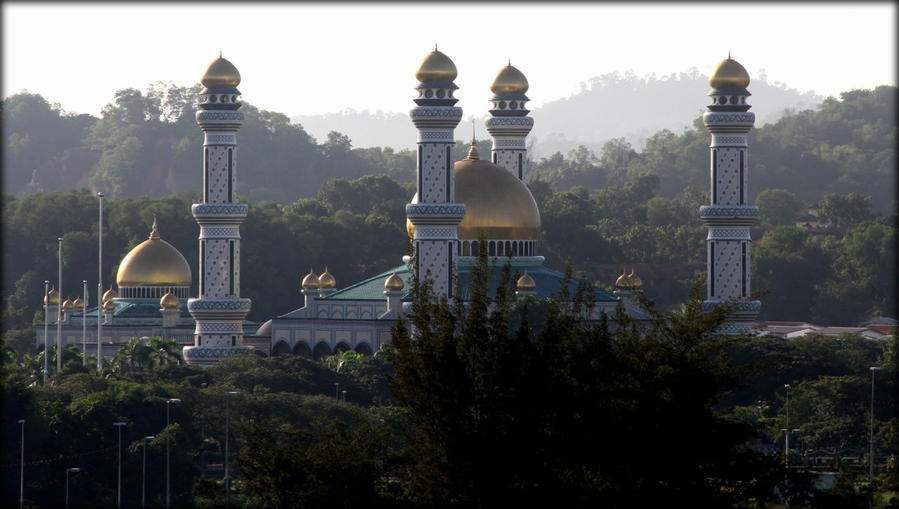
(220, 52)
(473, 151)
(728, 55)
(154, 233)
(435, 46)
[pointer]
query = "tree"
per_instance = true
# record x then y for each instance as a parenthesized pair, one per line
(617, 418)
(845, 210)
(778, 207)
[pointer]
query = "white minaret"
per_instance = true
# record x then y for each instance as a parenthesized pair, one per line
(433, 213)
(729, 216)
(509, 124)
(219, 310)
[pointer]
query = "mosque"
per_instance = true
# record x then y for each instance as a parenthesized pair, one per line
(459, 208)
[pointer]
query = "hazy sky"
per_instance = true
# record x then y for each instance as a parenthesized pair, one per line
(310, 58)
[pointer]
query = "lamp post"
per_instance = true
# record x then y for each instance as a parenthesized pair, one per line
(59, 313)
(84, 324)
(336, 390)
(22, 468)
(787, 432)
(871, 440)
(344, 394)
(227, 435)
(100, 288)
(46, 337)
(168, 450)
(787, 387)
(119, 425)
(73, 470)
(143, 482)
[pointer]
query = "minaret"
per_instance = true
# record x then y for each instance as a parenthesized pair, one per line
(219, 311)
(509, 124)
(434, 214)
(729, 216)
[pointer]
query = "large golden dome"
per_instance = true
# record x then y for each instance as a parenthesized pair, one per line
(729, 74)
(436, 67)
(509, 80)
(154, 262)
(220, 73)
(496, 203)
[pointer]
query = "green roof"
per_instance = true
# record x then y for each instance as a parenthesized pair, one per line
(548, 282)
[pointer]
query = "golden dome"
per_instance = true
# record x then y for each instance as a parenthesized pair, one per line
(67, 304)
(154, 262)
(52, 297)
(436, 67)
(109, 305)
(109, 295)
(394, 283)
(509, 80)
(496, 203)
(310, 282)
(169, 301)
(729, 74)
(78, 303)
(220, 73)
(635, 281)
(326, 280)
(622, 281)
(526, 283)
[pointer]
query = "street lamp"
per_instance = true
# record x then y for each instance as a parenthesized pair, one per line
(344, 394)
(119, 426)
(73, 470)
(227, 434)
(168, 459)
(336, 390)
(46, 338)
(787, 387)
(871, 441)
(100, 288)
(22, 470)
(84, 324)
(59, 314)
(787, 432)
(143, 483)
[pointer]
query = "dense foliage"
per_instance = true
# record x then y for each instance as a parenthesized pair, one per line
(494, 403)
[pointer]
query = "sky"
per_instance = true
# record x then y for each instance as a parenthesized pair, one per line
(316, 58)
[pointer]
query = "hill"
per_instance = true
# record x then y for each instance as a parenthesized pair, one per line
(613, 105)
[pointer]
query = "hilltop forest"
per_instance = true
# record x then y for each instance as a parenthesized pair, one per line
(309, 201)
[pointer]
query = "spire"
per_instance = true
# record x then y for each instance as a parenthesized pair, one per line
(435, 46)
(154, 233)
(473, 151)
(728, 55)
(220, 53)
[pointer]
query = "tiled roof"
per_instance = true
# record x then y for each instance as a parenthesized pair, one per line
(548, 281)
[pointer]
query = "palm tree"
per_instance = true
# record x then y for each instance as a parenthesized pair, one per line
(134, 354)
(164, 350)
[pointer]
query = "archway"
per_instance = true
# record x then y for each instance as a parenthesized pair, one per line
(321, 350)
(363, 349)
(302, 349)
(281, 348)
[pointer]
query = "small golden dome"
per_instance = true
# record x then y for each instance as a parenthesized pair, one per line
(109, 305)
(154, 262)
(635, 281)
(622, 282)
(526, 283)
(310, 282)
(496, 203)
(67, 304)
(220, 73)
(169, 301)
(326, 280)
(52, 297)
(436, 67)
(509, 80)
(78, 303)
(729, 74)
(394, 283)
(109, 295)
